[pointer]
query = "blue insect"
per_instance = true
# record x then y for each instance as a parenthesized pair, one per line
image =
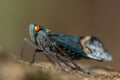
(68, 46)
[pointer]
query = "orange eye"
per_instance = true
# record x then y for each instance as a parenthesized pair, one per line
(37, 28)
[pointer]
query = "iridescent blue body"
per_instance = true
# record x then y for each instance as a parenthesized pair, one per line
(69, 46)
(87, 46)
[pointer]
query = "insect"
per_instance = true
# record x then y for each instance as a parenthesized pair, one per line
(68, 46)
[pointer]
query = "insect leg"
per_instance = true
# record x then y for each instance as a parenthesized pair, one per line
(37, 49)
(57, 59)
(64, 62)
(49, 59)
(22, 49)
(26, 40)
(34, 55)
(77, 67)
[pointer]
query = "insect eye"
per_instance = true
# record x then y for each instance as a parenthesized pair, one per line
(37, 28)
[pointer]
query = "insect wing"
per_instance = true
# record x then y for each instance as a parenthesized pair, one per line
(67, 41)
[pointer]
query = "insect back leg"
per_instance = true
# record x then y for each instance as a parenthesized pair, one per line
(53, 54)
(63, 61)
(76, 66)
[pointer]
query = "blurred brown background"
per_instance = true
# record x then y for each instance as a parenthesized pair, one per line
(100, 18)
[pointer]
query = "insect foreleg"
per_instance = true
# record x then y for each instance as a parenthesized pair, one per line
(34, 55)
(26, 40)
(47, 55)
